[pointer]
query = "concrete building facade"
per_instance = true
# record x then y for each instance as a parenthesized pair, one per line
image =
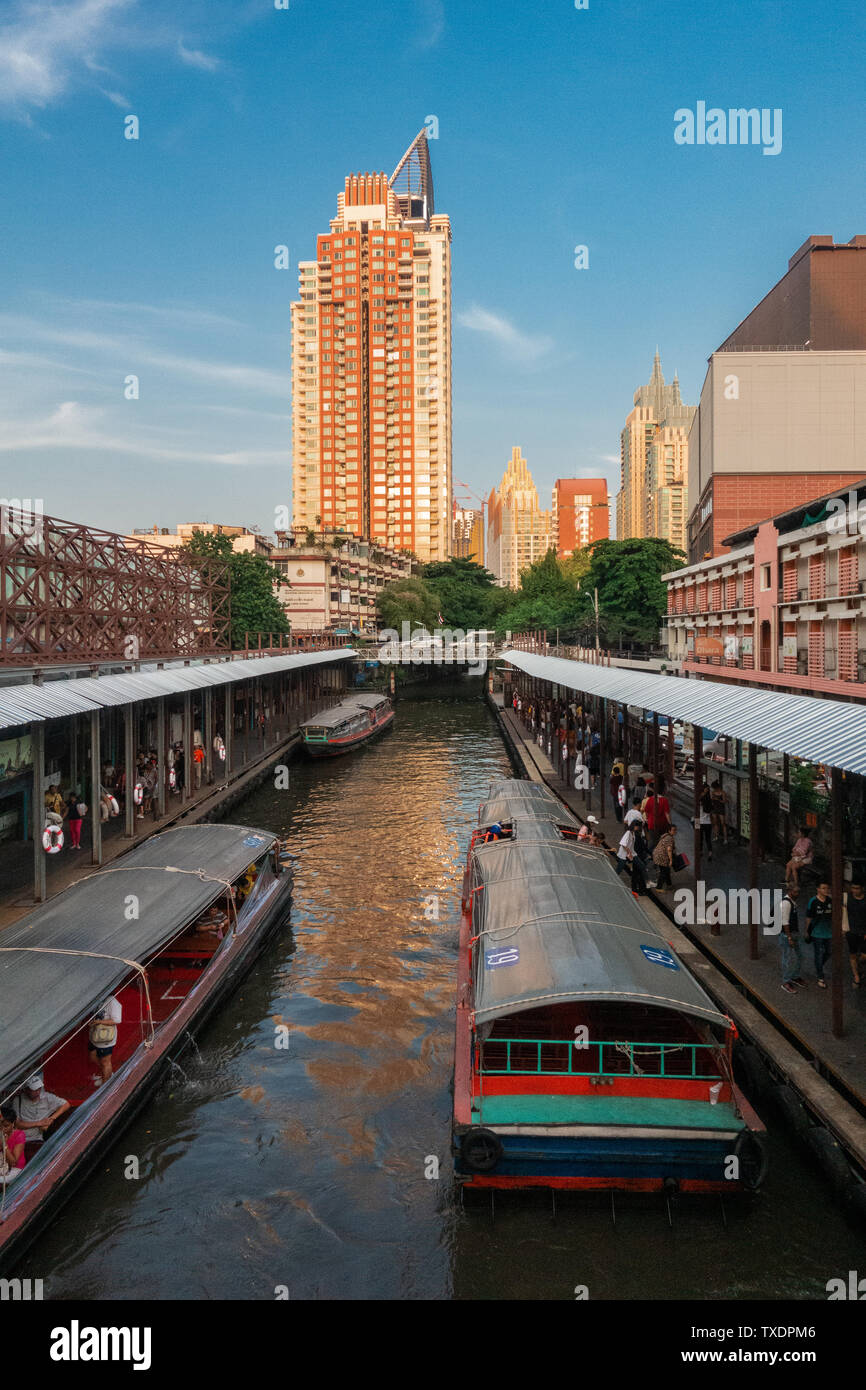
(652, 499)
(782, 415)
(371, 366)
(784, 606)
(334, 587)
(580, 513)
(518, 531)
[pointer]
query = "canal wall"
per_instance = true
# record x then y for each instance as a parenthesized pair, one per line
(772, 1071)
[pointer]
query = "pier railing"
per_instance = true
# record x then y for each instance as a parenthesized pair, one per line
(568, 1057)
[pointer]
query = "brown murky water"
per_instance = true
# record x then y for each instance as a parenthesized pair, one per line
(303, 1168)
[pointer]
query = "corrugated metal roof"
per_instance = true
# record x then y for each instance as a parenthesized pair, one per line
(356, 704)
(26, 703)
(820, 731)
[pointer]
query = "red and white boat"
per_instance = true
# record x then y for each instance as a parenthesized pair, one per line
(167, 930)
(347, 726)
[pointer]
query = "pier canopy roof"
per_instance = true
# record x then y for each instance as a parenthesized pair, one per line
(27, 703)
(87, 945)
(555, 925)
(820, 731)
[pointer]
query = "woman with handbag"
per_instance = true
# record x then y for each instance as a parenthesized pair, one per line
(663, 858)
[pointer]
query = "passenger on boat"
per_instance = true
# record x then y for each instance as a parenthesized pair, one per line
(12, 1141)
(587, 828)
(493, 832)
(212, 922)
(37, 1109)
(103, 1037)
(243, 887)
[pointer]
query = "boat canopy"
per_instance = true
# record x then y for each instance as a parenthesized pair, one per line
(116, 917)
(510, 796)
(356, 704)
(555, 925)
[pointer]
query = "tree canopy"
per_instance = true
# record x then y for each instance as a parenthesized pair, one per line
(467, 593)
(631, 596)
(254, 605)
(409, 600)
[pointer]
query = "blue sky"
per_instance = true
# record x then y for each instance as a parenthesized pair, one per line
(155, 257)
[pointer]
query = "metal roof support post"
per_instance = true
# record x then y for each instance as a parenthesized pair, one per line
(229, 726)
(95, 789)
(207, 733)
(836, 879)
(754, 847)
(624, 755)
(37, 810)
(671, 765)
(187, 745)
(655, 750)
(602, 757)
(697, 778)
(129, 773)
(161, 770)
(587, 738)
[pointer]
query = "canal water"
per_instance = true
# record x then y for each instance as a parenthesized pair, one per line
(305, 1171)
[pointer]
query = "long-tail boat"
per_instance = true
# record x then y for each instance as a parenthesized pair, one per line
(587, 1056)
(167, 930)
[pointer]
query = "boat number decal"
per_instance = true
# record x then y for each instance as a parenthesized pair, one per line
(252, 840)
(509, 956)
(660, 957)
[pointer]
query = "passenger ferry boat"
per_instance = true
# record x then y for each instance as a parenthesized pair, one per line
(586, 1056)
(347, 725)
(167, 930)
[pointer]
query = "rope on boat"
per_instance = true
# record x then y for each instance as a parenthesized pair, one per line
(93, 955)
(172, 869)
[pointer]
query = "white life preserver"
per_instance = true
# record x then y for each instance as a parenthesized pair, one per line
(52, 839)
(222, 752)
(114, 806)
(172, 778)
(138, 793)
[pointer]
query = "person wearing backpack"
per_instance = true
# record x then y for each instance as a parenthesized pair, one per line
(102, 1037)
(75, 812)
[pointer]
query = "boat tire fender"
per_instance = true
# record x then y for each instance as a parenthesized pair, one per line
(480, 1150)
(791, 1109)
(756, 1078)
(751, 1153)
(831, 1157)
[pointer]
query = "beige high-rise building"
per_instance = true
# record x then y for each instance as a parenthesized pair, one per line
(371, 366)
(467, 534)
(518, 531)
(654, 458)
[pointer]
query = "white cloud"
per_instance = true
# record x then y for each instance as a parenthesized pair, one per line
(610, 458)
(194, 58)
(521, 347)
(43, 44)
(72, 426)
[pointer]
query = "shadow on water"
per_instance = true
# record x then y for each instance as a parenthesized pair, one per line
(304, 1165)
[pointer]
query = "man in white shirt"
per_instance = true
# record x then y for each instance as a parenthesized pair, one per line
(103, 1037)
(37, 1109)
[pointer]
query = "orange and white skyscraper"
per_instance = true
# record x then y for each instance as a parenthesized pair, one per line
(371, 366)
(581, 513)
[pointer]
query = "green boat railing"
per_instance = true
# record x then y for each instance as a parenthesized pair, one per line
(636, 1058)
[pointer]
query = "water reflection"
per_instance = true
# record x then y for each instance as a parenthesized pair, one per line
(305, 1166)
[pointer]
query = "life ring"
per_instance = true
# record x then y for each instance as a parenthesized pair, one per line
(751, 1154)
(138, 793)
(172, 778)
(480, 1150)
(52, 839)
(222, 752)
(114, 805)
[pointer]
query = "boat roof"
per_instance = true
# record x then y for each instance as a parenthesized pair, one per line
(173, 876)
(508, 797)
(356, 704)
(556, 925)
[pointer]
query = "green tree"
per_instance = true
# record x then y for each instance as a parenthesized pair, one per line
(408, 600)
(466, 592)
(254, 605)
(547, 598)
(631, 596)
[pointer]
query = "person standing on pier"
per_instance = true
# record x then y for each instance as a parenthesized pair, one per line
(855, 920)
(819, 929)
(789, 940)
